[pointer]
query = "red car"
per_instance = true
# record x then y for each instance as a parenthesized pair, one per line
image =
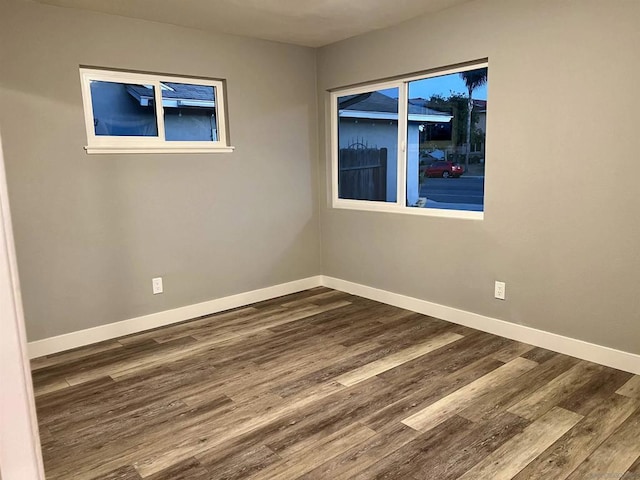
(444, 170)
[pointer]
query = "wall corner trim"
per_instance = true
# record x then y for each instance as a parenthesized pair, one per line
(609, 357)
(109, 331)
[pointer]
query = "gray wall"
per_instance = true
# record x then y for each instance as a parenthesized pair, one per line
(92, 230)
(562, 220)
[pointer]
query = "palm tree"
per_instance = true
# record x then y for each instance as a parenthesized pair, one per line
(472, 79)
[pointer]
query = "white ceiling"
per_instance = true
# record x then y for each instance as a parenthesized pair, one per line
(311, 23)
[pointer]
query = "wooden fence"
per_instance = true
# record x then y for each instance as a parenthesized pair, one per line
(363, 174)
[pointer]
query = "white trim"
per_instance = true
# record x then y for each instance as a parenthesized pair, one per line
(391, 207)
(403, 136)
(333, 148)
(569, 346)
(335, 140)
(80, 338)
(368, 88)
(610, 357)
(20, 453)
(157, 143)
(164, 149)
(159, 106)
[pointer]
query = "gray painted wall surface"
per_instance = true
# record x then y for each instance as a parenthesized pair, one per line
(92, 230)
(562, 220)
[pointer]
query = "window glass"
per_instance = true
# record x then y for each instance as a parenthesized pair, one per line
(123, 110)
(368, 146)
(189, 112)
(446, 129)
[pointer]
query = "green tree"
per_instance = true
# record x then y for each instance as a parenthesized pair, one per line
(472, 79)
(456, 105)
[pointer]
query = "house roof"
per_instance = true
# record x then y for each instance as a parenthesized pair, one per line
(378, 102)
(375, 105)
(424, 110)
(369, 102)
(192, 92)
(176, 95)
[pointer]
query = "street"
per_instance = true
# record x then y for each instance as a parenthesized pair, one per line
(463, 190)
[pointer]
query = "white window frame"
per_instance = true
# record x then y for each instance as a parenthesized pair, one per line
(132, 144)
(399, 206)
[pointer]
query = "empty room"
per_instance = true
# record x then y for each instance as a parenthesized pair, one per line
(296, 239)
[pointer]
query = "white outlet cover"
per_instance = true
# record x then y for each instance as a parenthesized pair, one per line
(157, 285)
(500, 290)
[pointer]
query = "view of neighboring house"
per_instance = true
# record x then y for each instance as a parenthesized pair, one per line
(371, 120)
(129, 110)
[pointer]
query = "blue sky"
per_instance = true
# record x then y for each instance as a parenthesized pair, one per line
(439, 85)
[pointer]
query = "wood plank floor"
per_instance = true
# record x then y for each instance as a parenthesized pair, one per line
(326, 385)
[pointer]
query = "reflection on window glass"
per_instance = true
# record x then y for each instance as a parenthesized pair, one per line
(446, 146)
(189, 112)
(368, 146)
(123, 110)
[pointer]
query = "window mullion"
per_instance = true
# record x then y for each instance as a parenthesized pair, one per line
(221, 120)
(159, 110)
(335, 147)
(402, 145)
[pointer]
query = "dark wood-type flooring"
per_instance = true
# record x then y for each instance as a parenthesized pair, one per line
(326, 385)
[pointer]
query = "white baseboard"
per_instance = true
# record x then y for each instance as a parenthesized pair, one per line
(610, 357)
(80, 338)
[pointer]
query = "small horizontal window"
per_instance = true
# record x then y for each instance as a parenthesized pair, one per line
(152, 113)
(414, 145)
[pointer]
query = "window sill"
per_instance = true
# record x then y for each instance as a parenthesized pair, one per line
(395, 208)
(163, 149)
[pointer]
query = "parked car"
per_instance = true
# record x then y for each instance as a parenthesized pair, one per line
(444, 170)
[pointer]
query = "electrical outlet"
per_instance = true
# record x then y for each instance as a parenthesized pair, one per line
(157, 285)
(500, 290)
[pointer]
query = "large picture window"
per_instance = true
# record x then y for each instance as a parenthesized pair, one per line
(416, 145)
(142, 113)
